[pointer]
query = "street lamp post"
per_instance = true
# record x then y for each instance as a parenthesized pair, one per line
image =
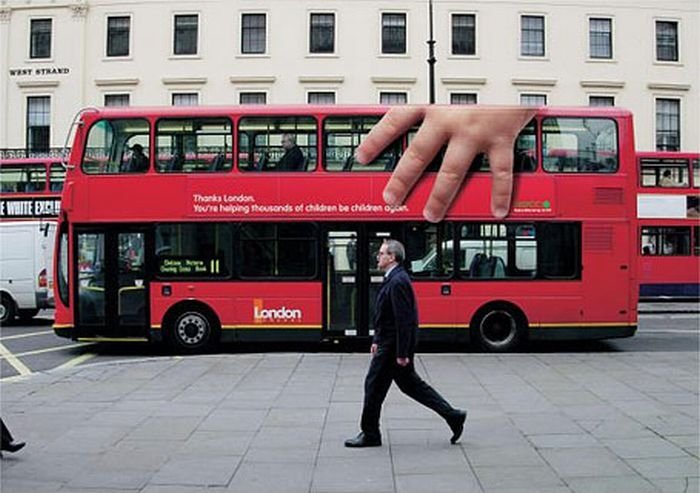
(431, 55)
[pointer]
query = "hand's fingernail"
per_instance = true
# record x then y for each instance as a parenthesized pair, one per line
(500, 212)
(390, 197)
(359, 158)
(431, 217)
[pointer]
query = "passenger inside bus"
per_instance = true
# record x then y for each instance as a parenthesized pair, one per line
(138, 162)
(293, 159)
(666, 179)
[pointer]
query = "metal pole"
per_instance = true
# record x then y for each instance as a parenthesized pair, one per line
(431, 56)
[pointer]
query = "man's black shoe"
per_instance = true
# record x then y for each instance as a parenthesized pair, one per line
(363, 440)
(13, 446)
(457, 425)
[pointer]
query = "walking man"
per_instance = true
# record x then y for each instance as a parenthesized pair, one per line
(393, 347)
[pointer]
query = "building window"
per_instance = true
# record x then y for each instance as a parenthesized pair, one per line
(668, 125)
(40, 42)
(393, 33)
(533, 99)
(185, 99)
(118, 35)
(463, 34)
(666, 41)
(117, 100)
(253, 33)
(186, 34)
(463, 98)
(252, 98)
(38, 123)
(601, 101)
(393, 97)
(322, 34)
(532, 35)
(600, 38)
(321, 97)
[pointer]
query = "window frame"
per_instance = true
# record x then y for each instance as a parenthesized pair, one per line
(127, 95)
(521, 32)
(677, 23)
(239, 257)
(334, 51)
(610, 38)
(266, 94)
(475, 33)
(232, 231)
(49, 98)
(174, 33)
(678, 115)
(30, 46)
(129, 41)
(251, 54)
(406, 35)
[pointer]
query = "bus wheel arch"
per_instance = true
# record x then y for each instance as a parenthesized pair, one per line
(191, 326)
(499, 327)
(8, 308)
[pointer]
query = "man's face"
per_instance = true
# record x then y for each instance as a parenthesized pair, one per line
(287, 143)
(384, 258)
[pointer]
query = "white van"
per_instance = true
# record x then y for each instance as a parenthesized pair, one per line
(26, 268)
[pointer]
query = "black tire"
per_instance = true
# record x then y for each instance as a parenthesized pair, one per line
(8, 310)
(500, 329)
(191, 330)
(26, 315)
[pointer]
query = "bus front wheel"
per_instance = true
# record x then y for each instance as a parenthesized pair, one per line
(500, 328)
(191, 330)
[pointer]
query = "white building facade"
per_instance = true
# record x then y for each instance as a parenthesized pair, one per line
(59, 56)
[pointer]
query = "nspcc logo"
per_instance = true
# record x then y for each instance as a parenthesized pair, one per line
(262, 315)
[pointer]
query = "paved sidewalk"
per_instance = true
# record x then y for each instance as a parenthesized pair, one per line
(270, 423)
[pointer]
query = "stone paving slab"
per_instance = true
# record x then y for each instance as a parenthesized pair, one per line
(545, 423)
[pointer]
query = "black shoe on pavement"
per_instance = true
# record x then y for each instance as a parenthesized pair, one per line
(363, 440)
(13, 446)
(456, 424)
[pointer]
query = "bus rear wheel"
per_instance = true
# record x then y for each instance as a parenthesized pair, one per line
(191, 330)
(500, 329)
(8, 310)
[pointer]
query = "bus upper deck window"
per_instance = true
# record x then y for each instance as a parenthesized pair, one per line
(117, 146)
(579, 145)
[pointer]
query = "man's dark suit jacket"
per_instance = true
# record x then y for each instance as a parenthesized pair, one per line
(396, 314)
(293, 160)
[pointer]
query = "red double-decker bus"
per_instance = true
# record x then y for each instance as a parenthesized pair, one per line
(30, 188)
(189, 225)
(669, 225)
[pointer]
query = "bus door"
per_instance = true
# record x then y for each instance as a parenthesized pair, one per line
(112, 284)
(351, 277)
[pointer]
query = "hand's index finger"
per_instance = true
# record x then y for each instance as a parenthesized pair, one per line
(393, 124)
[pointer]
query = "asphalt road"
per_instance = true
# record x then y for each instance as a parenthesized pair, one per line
(26, 349)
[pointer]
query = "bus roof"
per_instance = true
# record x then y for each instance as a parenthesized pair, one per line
(308, 109)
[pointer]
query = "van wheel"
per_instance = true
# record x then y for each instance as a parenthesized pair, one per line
(7, 309)
(191, 330)
(500, 329)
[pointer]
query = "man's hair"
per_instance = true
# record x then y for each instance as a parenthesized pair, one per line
(395, 248)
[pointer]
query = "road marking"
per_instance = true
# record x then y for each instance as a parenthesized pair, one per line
(76, 361)
(29, 334)
(48, 350)
(14, 361)
(669, 331)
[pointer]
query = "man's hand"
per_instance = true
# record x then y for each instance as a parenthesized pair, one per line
(466, 132)
(403, 361)
(373, 349)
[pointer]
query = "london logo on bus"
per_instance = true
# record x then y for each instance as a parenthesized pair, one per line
(262, 315)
